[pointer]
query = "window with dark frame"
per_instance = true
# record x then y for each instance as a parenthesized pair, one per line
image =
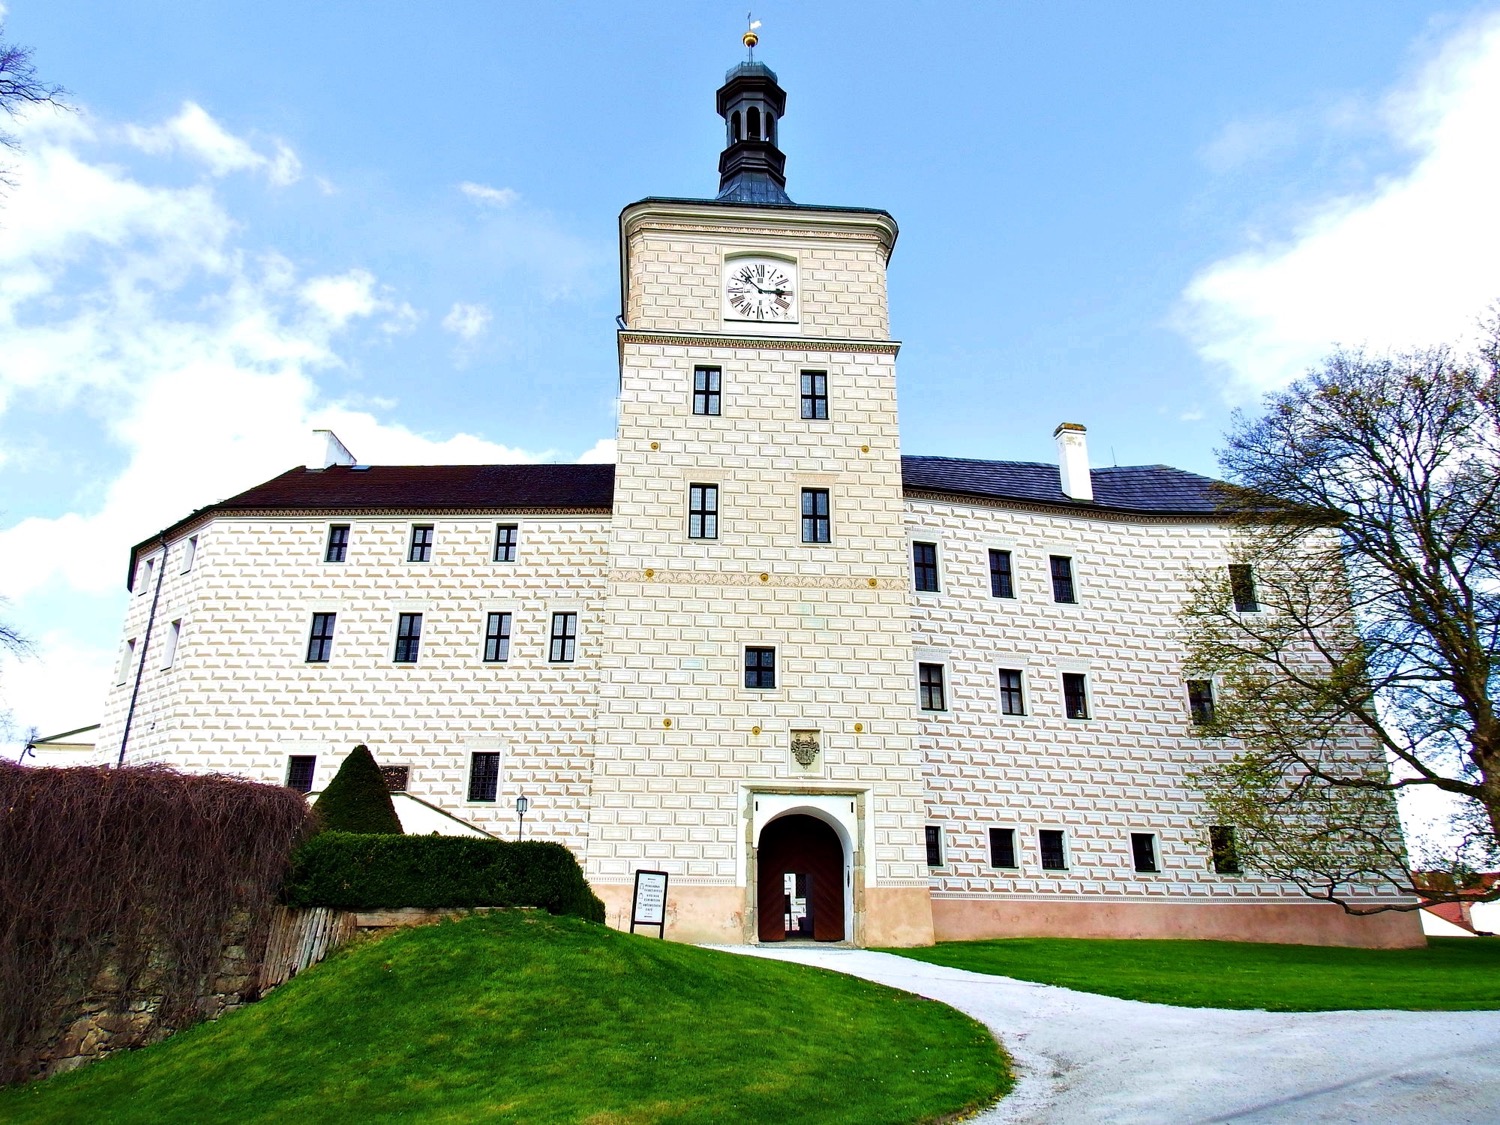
(564, 638)
(934, 836)
(706, 390)
(1002, 579)
(421, 543)
(1226, 856)
(703, 511)
(338, 543)
(1201, 701)
(1012, 701)
(1143, 852)
(930, 687)
(408, 637)
(1053, 847)
(300, 769)
(320, 638)
(396, 778)
(1075, 695)
(1003, 847)
(1062, 578)
(484, 775)
(815, 394)
(815, 519)
(507, 539)
(760, 667)
(924, 567)
(497, 638)
(1242, 588)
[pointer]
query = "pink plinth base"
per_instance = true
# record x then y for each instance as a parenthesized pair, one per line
(1291, 923)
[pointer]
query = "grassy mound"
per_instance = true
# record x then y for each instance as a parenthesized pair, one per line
(518, 1016)
(1451, 974)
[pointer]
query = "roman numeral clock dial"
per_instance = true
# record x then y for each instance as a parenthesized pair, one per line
(760, 289)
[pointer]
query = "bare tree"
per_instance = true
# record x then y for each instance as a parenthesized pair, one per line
(1365, 505)
(20, 88)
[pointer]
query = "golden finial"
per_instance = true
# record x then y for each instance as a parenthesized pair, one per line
(750, 39)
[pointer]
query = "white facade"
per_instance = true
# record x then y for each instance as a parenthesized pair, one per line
(647, 749)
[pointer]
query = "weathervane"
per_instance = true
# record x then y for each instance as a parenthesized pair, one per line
(750, 39)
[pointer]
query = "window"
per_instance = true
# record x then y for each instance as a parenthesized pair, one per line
(189, 553)
(760, 667)
(396, 778)
(934, 836)
(815, 394)
(1012, 702)
(924, 566)
(706, 390)
(564, 637)
(815, 525)
(930, 686)
(1075, 695)
(484, 775)
(1003, 847)
(507, 538)
(338, 543)
(1226, 856)
(1062, 578)
(169, 648)
(703, 511)
(497, 638)
(1242, 587)
(1002, 580)
(1201, 701)
(122, 673)
(299, 772)
(421, 543)
(1143, 851)
(320, 638)
(1053, 847)
(147, 571)
(408, 637)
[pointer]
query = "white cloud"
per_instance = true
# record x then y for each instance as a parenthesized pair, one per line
(59, 688)
(194, 132)
(493, 197)
(198, 362)
(1408, 262)
(466, 321)
(602, 452)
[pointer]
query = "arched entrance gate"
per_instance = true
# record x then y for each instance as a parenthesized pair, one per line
(800, 880)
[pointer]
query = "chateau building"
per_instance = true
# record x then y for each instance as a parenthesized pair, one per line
(833, 691)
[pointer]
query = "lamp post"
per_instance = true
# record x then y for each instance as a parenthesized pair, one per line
(522, 804)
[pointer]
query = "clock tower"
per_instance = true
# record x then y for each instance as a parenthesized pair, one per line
(755, 733)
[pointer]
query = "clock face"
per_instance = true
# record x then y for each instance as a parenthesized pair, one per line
(762, 289)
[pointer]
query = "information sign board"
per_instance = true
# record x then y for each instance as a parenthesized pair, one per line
(649, 905)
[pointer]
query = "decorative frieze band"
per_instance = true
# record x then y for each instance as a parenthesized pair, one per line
(755, 578)
(779, 343)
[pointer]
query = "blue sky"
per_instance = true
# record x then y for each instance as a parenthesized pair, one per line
(399, 220)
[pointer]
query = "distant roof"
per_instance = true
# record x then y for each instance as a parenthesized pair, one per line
(1135, 488)
(1154, 489)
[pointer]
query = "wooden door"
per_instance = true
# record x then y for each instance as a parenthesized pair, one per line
(806, 846)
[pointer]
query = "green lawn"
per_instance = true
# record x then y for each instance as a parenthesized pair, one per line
(1451, 974)
(519, 1016)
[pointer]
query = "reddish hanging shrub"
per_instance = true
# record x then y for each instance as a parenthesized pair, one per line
(141, 871)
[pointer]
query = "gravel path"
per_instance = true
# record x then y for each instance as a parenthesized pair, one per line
(1083, 1058)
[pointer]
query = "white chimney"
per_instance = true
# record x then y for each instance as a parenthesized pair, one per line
(330, 451)
(1073, 461)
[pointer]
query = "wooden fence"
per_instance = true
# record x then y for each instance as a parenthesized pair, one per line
(300, 938)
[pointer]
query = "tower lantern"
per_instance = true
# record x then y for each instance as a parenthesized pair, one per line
(751, 168)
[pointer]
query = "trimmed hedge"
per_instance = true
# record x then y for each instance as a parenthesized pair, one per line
(352, 871)
(357, 799)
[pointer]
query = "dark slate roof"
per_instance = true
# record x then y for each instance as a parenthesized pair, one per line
(1133, 488)
(433, 488)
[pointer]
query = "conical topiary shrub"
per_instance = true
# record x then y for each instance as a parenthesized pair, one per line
(357, 800)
